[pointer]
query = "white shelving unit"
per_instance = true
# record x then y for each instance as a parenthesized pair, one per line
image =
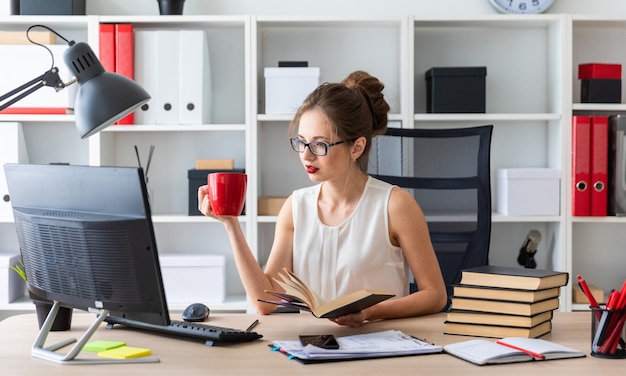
(532, 92)
(597, 243)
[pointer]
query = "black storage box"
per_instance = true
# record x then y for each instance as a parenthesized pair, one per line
(595, 90)
(198, 178)
(455, 89)
(48, 7)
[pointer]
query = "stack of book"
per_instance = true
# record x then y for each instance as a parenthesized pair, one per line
(500, 301)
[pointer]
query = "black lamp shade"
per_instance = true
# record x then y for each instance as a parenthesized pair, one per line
(102, 97)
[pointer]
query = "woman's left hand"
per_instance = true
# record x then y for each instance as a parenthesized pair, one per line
(353, 320)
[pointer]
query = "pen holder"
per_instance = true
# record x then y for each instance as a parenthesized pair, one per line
(607, 333)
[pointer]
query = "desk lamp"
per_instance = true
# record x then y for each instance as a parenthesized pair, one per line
(102, 97)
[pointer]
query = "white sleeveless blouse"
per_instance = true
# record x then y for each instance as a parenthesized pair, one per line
(357, 254)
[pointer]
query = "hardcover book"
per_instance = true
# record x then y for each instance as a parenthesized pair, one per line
(513, 277)
(502, 306)
(298, 295)
(495, 293)
(496, 331)
(487, 318)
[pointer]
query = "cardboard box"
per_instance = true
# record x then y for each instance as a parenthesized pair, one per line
(12, 286)
(580, 298)
(270, 205)
(456, 90)
(286, 88)
(196, 179)
(193, 278)
(529, 191)
(215, 164)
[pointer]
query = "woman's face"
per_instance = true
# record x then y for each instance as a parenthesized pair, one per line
(314, 126)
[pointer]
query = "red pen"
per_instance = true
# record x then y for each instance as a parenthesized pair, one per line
(592, 301)
(531, 353)
(610, 301)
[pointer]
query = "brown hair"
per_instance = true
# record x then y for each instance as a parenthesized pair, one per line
(354, 107)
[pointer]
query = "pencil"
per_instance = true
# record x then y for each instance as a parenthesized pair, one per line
(252, 325)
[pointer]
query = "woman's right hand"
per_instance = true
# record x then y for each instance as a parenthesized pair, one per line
(204, 204)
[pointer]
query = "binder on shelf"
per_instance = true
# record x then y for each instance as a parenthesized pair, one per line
(146, 73)
(107, 46)
(617, 165)
(124, 64)
(195, 78)
(22, 63)
(167, 62)
(13, 150)
(581, 153)
(599, 165)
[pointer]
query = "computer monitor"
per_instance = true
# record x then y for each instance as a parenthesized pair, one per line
(86, 239)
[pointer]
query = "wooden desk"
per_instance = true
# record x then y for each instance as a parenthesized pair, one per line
(17, 334)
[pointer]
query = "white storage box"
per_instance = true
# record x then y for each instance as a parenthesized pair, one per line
(193, 278)
(529, 191)
(286, 88)
(12, 286)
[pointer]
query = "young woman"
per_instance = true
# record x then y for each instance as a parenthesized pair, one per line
(350, 231)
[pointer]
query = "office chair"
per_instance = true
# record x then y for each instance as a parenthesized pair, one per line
(448, 172)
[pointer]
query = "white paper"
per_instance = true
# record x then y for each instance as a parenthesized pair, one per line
(386, 343)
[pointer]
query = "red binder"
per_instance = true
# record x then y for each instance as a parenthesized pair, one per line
(581, 165)
(599, 165)
(107, 47)
(124, 58)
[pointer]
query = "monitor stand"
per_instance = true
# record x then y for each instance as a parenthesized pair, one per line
(49, 353)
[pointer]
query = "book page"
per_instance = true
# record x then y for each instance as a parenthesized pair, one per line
(481, 351)
(549, 350)
(312, 296)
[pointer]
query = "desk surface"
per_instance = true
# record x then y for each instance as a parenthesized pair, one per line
(18, 333)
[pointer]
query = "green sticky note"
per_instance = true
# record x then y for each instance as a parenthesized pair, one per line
(99, 346)
(125, 352)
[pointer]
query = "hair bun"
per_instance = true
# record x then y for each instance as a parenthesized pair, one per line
(372, 87)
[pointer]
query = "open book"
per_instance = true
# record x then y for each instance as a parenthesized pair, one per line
(298, 295)
(510, 350)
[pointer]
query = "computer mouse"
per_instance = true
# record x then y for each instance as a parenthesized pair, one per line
(196, 312)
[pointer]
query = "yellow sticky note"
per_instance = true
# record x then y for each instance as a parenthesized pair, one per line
(99, 345)
(125, 352)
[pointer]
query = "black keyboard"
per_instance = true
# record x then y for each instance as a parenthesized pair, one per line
(211, 334)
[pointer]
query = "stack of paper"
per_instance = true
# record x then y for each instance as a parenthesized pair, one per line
(372, 345)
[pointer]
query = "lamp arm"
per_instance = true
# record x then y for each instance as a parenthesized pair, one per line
(50, 78)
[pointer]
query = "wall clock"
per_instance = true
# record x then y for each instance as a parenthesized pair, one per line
(521, 6)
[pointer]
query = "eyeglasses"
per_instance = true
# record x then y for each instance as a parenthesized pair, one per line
(318, 148)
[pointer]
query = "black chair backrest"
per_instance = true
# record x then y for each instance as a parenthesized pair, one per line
(448, 172)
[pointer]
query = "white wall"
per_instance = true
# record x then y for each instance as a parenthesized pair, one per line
(339, 7)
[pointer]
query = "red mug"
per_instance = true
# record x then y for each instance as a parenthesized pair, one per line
(227, 192)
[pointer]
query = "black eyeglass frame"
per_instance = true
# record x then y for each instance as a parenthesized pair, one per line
(295, 141)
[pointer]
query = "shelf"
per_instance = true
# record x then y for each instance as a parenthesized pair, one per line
(178, 128)
(598, 107)
(500, 218)
(490, 117)
(38, 118)
(231, 304)
(288, 118)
